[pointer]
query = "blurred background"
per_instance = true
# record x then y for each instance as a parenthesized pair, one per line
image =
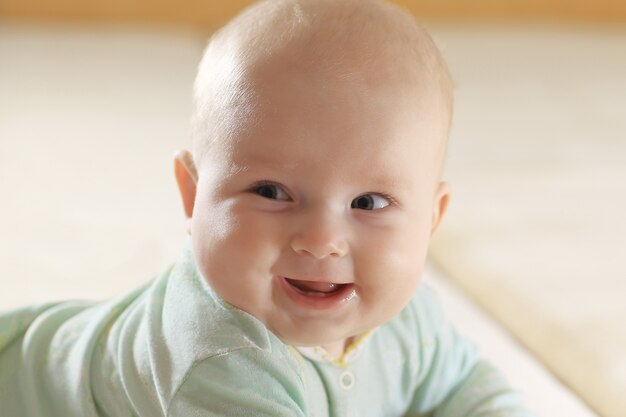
(95, 99)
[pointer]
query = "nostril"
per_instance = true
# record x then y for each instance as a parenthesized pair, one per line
(319, 251)
(319, 242)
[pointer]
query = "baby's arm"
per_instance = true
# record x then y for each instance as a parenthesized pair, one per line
(484, 393)
(247, 382)
(453, 381)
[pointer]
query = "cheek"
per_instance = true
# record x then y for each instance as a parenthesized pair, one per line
(398, 250)
(391, 264)
(230, 241)
(213, 229)
(235, 256)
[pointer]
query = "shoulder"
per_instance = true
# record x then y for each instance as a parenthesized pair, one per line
(222, 357)
(424, 331)
(187, 329)
(247, 381)
(194, 317)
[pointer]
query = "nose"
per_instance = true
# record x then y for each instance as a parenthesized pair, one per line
(317, 236)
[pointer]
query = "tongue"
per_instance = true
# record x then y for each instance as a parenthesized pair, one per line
(325, 287)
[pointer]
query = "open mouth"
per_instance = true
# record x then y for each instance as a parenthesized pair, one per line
(314, 295)
(316, 289)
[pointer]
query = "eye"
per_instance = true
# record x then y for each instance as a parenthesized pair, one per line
(270, 191)
(370, 202)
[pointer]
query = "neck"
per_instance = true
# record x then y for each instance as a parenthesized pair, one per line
(337, 349)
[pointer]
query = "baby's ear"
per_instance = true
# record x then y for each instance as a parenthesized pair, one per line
(187, 179)
(440, 204)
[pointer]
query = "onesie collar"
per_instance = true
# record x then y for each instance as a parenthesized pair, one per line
(319, 354)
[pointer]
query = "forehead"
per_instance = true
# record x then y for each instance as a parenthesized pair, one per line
(319, 80)
(313, 124)
(345, 109)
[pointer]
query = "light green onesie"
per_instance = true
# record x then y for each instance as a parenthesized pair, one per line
(174, 348)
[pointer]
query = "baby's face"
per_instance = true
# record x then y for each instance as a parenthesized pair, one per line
(316, 219)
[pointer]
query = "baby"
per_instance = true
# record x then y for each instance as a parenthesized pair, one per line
(314, 187)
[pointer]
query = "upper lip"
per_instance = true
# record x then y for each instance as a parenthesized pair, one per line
(318, 279)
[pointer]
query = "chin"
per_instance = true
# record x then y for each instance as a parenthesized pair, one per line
(309, 339)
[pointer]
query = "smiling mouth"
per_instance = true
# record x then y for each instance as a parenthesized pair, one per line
(315, 288)
(315, 295)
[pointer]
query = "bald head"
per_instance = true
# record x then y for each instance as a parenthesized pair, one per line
(364, 42)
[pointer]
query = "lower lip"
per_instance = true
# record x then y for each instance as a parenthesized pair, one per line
(326, 302)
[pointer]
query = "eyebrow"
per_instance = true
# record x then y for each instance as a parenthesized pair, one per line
(263, 161)
(381, 182)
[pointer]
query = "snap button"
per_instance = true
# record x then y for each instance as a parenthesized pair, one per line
(346, 380)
